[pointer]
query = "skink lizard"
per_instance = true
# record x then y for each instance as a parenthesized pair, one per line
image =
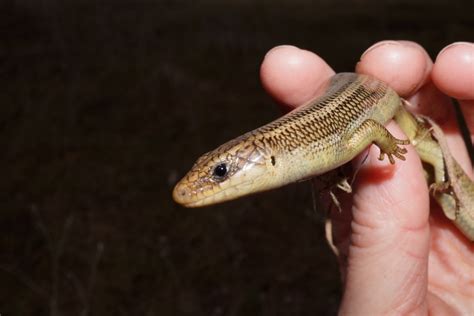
(316, 137)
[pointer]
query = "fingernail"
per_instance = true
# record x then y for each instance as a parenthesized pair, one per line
(469, 44)
(379, 44)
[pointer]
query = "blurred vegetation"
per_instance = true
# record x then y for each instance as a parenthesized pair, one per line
(105, 104)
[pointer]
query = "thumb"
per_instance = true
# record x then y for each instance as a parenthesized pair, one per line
(387, 256)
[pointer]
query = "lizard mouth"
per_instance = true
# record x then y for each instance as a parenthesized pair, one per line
(187, 198)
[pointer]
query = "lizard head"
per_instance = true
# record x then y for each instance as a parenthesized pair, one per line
(228, 172)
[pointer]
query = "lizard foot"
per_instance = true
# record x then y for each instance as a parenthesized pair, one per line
(393, 149)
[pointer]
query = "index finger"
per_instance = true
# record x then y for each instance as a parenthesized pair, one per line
(292, 75)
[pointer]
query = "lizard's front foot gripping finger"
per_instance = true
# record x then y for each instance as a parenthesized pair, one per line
(394, 150)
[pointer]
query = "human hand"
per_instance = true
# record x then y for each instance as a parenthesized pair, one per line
(395, 257)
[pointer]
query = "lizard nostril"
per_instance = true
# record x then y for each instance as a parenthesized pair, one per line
(180, 193)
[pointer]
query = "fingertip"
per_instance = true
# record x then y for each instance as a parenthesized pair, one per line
(404, 65)
(292, 75)
(453, 71)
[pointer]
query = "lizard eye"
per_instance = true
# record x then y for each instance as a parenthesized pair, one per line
(220, 171)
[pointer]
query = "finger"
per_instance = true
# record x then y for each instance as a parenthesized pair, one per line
(390, 237)
(404, 65)
(453, 73)
(292, 75)
(390, 217)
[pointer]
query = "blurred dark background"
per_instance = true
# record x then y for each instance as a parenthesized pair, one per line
(105, 104)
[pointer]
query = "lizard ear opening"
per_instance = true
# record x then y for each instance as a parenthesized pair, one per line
(273, 160)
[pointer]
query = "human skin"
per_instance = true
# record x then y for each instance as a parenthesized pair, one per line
(398, 253)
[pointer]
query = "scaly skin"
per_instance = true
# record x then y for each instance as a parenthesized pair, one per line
(456, 195)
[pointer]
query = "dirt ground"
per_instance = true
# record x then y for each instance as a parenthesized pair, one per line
(105, 104)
